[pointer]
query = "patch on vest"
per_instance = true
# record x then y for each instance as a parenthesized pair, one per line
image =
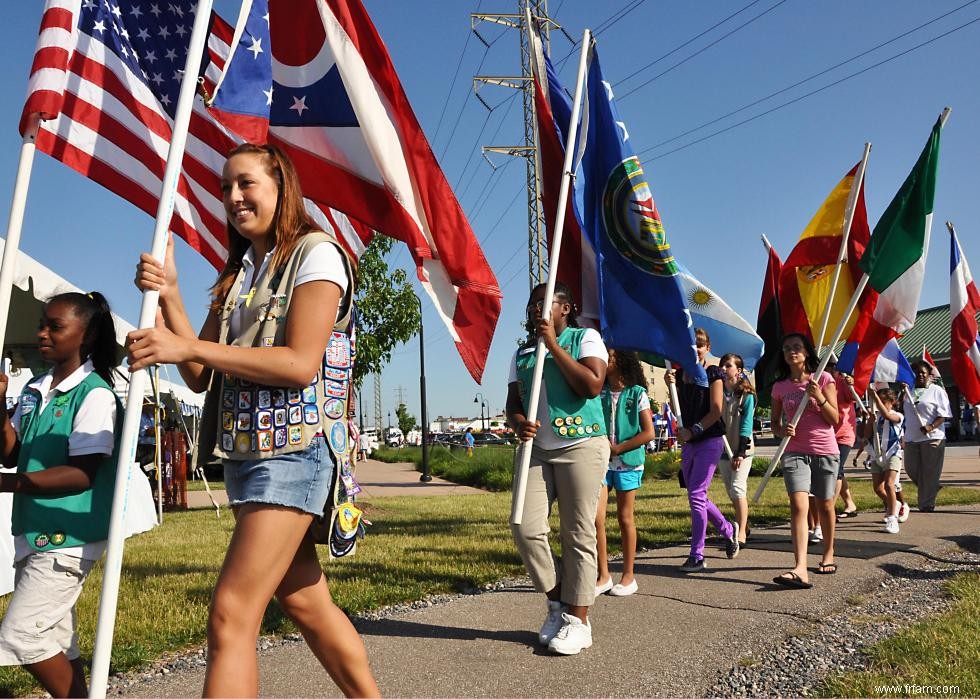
(338, 438)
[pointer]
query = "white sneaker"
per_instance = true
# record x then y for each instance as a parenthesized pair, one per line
(604, 587)
(624, 590)
(903, 512)
(816, 536)
(552, 623)
(573, 637)
(891, 524)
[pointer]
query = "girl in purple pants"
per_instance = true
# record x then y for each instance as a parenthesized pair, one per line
(702, 444)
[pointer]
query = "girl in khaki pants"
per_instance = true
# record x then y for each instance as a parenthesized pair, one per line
(568, 459)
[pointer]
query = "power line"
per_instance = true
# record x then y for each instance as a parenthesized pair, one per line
(700, 51)
(807, 79)
(504, 213)
(452, 83)
(811, 93)
(462, 108)
(603, 26)
(486, 197)
(687, 43)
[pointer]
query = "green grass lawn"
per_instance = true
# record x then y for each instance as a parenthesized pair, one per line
(943, 651)
(415, 547)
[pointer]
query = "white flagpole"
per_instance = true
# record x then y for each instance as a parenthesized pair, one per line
(15, 222)
(520, 473)
(134, 398)
(842, 254)
(803, 403)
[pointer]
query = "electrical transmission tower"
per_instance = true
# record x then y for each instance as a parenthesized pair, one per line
(400, 395)
(537, 260)
(377, 401)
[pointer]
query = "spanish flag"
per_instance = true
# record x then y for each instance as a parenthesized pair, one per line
(808, 273)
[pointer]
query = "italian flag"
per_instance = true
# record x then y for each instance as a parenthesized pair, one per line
(895, 259)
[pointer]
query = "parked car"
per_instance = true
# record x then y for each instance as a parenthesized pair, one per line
(487, 438)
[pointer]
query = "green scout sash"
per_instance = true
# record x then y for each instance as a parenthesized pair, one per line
(571, 416)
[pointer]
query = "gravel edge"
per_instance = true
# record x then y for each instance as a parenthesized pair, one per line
(797, 665)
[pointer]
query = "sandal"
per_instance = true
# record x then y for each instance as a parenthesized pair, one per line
(826, 569)
(793, 580)
(846, 514)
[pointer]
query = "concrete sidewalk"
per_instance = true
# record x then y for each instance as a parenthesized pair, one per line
(673, 638)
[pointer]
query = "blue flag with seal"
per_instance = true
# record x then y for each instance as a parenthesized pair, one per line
(641, 299)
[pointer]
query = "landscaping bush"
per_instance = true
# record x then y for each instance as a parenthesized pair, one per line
(492, 467)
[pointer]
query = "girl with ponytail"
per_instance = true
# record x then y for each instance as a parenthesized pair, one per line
(62, 439)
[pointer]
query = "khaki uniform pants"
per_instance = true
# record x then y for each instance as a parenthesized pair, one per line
(573, 476)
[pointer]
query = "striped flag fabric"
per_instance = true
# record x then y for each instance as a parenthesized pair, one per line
(896, 256)
(892, 366)
(964, 305)
(104, 84)
(728, 331)
(808, 272)
(314, 77)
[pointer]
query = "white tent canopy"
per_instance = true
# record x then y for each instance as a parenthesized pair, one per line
(33, 285)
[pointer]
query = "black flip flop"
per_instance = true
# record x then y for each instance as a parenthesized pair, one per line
(846, 514)
(826, 569)
(792, 580)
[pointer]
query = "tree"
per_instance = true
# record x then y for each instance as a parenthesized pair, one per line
(406, 422)
(387, 306)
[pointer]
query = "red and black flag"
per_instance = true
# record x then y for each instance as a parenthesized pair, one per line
(769, 328)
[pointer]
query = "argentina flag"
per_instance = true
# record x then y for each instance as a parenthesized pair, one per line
(641, 300)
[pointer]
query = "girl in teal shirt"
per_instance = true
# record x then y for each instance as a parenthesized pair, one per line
(629, 423)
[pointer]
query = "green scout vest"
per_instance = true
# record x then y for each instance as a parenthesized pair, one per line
(242, 420)
(571, 416)
(627, 421)
(51, 522)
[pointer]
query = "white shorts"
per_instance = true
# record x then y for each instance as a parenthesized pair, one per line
(40, 620)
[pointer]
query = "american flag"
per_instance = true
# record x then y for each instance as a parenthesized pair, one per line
(104, 84)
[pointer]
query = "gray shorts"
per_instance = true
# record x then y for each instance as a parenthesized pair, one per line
(813, 473)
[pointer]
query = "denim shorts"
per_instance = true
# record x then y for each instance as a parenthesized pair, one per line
(300, 480)
(623, 481)
(813, 473)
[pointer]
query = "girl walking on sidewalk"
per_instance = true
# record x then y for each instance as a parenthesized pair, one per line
(810, 463)
(570, 453)
(273, 414)
(738, 413)
(701, 449)
(629, 422)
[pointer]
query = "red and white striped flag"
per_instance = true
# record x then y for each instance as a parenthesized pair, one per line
(104, 85)
(964, 305)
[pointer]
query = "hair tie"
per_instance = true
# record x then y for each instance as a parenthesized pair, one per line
(89, 294)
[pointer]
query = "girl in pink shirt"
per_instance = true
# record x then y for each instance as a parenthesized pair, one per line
(811, 459)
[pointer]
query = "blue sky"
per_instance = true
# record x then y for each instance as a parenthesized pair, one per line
(716, 196)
